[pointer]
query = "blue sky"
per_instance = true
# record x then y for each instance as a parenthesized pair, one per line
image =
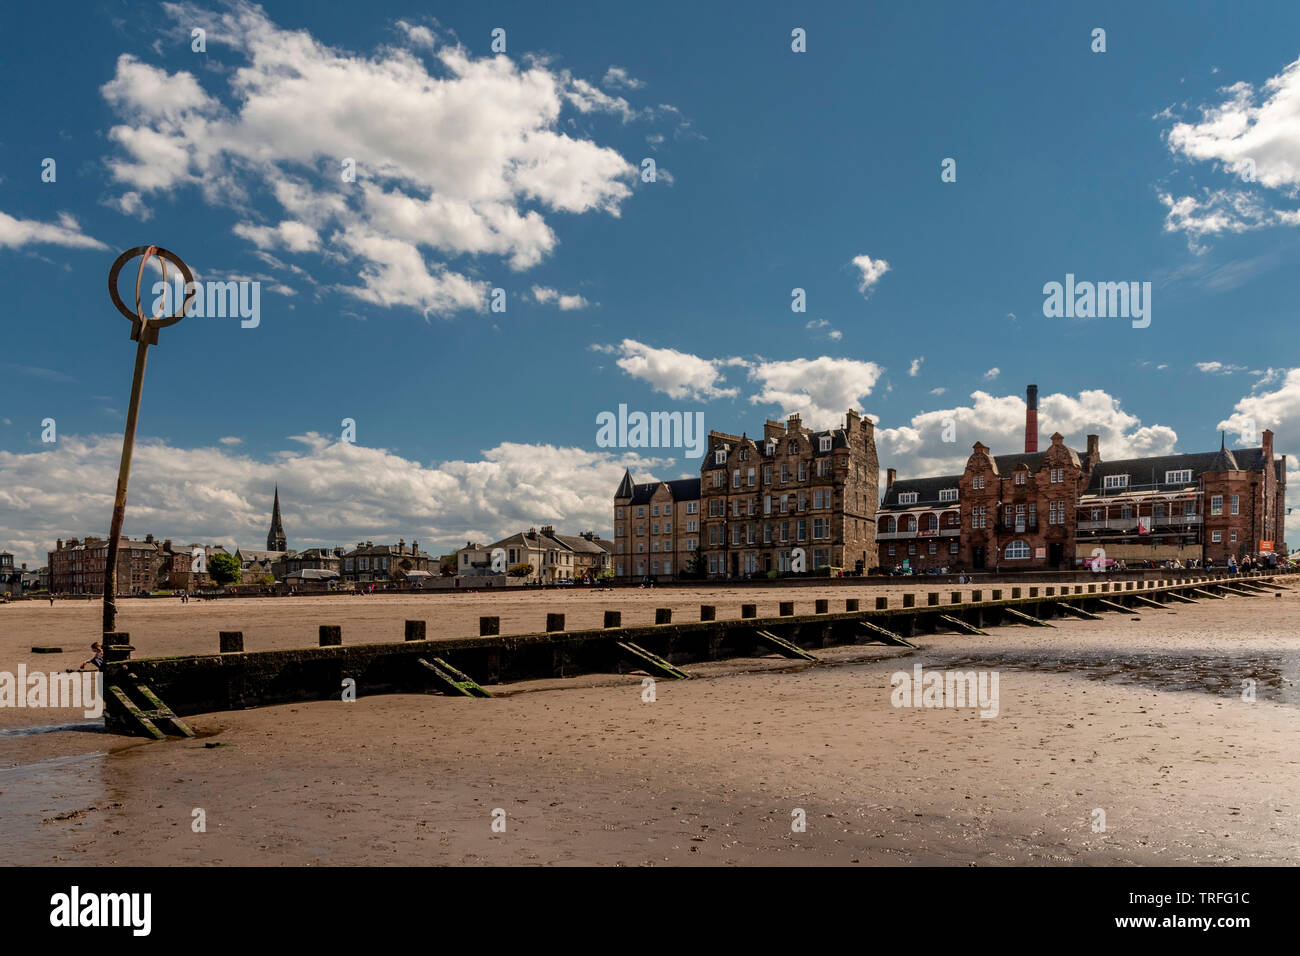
(776, 170)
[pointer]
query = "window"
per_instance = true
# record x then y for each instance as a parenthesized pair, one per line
(785, 472)
(821, 528)
(364, 564)
(803, 501)
(891, 550)
(911, 549)
(1057, 475)
(767, 474)
(767, 504)
(1181, 477)
(952, 547)
(823, 467)
(907, 497)
(771, 448)
(668, 510)
(640, 512)
(619, 513)
(1216, 505)
(934, 548)
(654, 527)
(640, 529)
(720, 457)
(1016, 551)
(1234, 534)
(793, 448)
(1216, 536)
(1020, 477)
(719, 477)
(1115, 481)
(735, 478)
(977, 482)
(948, 494)
(826, 443)
(1236, 504)
(749, 477)
(654, 511)
(803, 471)
(978, 518)
(692, 507)
(801, 530)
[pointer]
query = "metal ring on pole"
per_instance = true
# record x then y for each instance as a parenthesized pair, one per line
(139, 322)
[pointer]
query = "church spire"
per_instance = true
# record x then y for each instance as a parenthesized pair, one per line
(275, 539)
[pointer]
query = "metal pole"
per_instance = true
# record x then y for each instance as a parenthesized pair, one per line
(123, 478)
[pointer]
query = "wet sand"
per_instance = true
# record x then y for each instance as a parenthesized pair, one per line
(1140, 718)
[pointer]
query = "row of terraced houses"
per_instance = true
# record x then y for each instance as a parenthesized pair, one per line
(762, 503)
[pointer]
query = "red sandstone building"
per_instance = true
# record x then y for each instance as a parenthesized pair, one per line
(1060, 508)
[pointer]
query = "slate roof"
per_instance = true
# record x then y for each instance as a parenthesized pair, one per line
(1140, 470)
(927, 490)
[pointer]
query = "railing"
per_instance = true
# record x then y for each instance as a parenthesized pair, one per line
(942, 533)
(1130, 524)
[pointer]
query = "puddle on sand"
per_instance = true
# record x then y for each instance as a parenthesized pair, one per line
(89, 726)
(1223, 676)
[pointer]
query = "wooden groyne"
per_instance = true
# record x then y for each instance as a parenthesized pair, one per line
(235, 678)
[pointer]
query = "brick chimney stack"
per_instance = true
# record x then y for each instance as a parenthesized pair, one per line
(890, 475)
(1031, 419)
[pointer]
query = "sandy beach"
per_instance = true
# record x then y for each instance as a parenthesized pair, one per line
(1140, 716)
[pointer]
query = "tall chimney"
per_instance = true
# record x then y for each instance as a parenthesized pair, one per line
(1031, 419)
(890, 475)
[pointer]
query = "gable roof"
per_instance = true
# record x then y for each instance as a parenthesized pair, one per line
(1142, 470)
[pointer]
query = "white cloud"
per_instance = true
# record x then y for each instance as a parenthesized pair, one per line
(566, 302)
(231, 440)
(1218, 368)
(1252, 135)
(917, 448)
(820, 390)
(332, 493)
(992, 373)
(915, 369)
(618, 78)
(871, 271)
(938, 391)
(465, 159)
(677, 374)
(15, 233)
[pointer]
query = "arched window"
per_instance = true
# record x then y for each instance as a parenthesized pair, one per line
(909, 523)
(931, 522)
(1016, 551)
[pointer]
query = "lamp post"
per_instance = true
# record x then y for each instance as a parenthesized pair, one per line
(144, 332)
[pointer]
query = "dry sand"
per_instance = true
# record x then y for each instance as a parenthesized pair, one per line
(1140, 718)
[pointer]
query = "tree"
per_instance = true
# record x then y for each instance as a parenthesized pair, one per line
(223, 569)
(519, 570)
(695, 567)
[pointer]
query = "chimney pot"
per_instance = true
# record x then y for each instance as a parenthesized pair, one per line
(890, 475)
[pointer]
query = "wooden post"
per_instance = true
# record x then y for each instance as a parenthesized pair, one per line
(331, 635)
(822, 606)
(708, 612)
(613, 618)
(909, 600)
(116, 646)
(786, 609)
(415, 630)
(956, 597)
(554, 622)
(850, 604)
(232, 642)
(1015, 592)
(489, 626)
(932, 598)
(882, 603)
(663, 615)
(749, 610)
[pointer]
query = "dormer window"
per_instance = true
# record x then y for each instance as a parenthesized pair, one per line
(977, 483)
(1020, 477)
(1115, 481)
(771, 448)
(907, 497)
(826, 443)
(720, 457)
(1178, 477)
(947, 494)
(793, 448)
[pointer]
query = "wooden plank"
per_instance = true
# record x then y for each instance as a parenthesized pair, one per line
(1079, 612)
(1115, 607)
(160, 710)
(452, 680)
(782, 646)
(1027, 618)
(884, 635)
(653, 662)
(1234, 588)
(135, 714)
(1141, 599)
(1178, 597)
(958, 624)
(1199, 593)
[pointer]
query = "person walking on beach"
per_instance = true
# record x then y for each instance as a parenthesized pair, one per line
(97, 659)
